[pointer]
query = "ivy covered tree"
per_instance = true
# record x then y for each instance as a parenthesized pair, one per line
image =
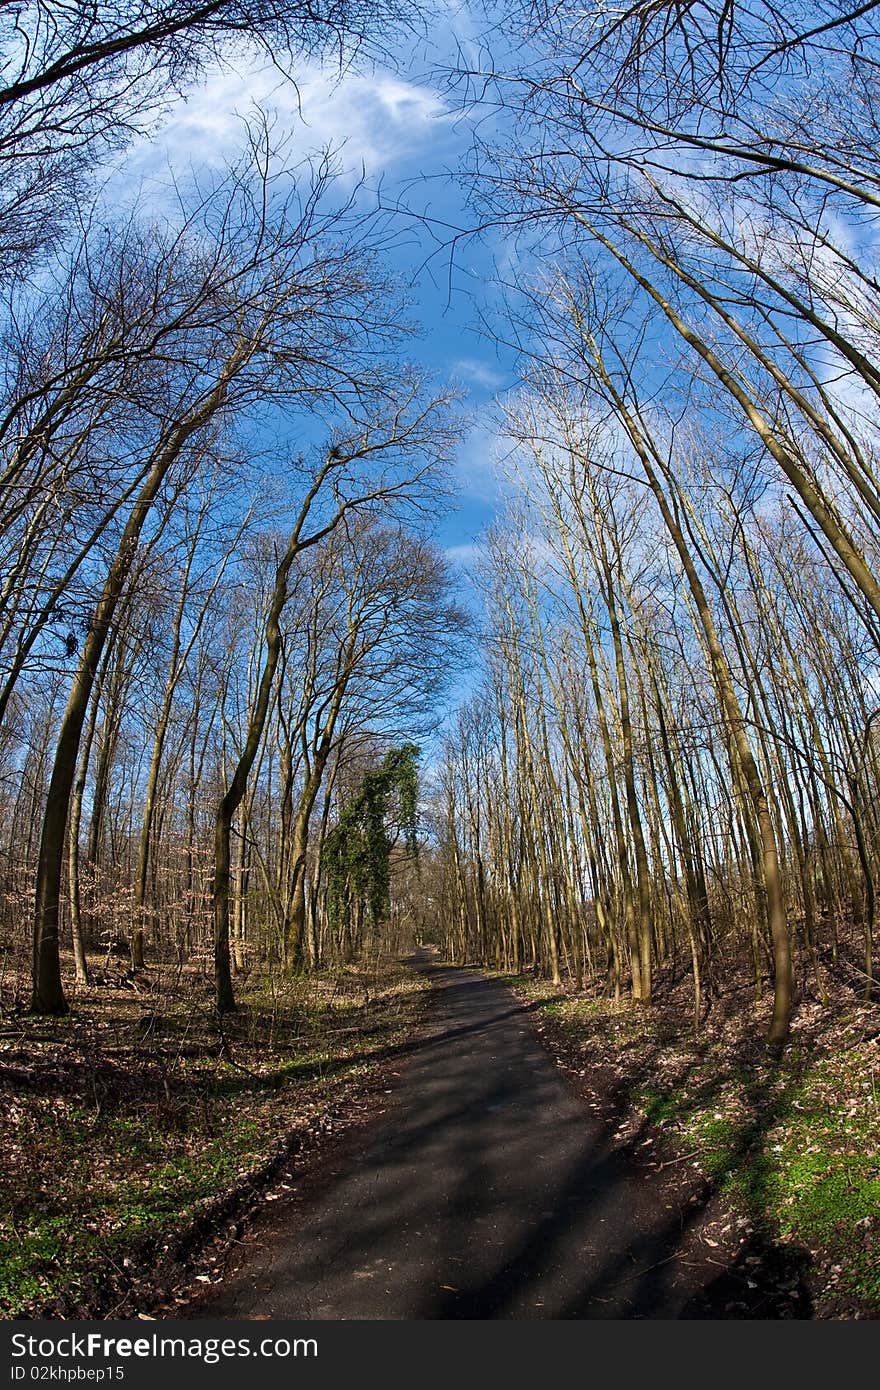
(357, 852)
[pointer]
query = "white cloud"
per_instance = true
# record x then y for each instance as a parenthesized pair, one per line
(482, 466)
(467, 554)
(377, 120)
(476, 373)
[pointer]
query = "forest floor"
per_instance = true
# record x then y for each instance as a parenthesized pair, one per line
(143, 1144)
(135, 1127)
(789, 1148)
(487, 1189)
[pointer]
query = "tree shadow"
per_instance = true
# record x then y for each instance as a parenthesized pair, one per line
(490, 1192)
(765, 1277)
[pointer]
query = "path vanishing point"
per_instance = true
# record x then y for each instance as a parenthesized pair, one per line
(486, 1189)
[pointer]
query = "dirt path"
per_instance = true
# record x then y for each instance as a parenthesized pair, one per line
(486, 1190)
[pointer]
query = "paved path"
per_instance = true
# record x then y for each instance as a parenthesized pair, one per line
(486, 1190)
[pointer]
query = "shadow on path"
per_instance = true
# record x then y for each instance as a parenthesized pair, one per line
(487, 1190)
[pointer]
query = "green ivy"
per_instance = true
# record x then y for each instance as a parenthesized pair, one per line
(357, 852)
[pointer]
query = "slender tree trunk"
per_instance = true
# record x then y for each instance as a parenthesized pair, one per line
(48, 993)
(79, 953)
(771, 873)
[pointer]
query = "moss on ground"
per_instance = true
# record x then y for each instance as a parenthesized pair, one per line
(793, 1144)
(112, 1144)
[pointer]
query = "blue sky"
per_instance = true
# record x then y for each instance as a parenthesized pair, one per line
(398, 130)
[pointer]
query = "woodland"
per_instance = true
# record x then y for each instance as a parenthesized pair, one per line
(259, 734)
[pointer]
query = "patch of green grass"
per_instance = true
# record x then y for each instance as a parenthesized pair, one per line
(718, 1141)
(553, 1009)
(659, 1106)
(794, 1145)
(116, 1181)
(52, 1257)
(23, 1260)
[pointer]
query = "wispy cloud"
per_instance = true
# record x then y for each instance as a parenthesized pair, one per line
(377, 121)
(476, 373)
(481, 469)
(466, 554)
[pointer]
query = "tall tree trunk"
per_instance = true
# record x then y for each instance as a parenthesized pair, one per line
(757, 796)
(48, 992)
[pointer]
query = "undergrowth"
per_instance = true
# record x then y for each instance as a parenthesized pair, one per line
(128, 1118)
(793, 1143)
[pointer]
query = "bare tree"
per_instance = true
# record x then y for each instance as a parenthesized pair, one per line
(78, 80)
(389, 458)
(275, 305)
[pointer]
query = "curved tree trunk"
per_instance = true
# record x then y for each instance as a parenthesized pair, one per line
(48, 993)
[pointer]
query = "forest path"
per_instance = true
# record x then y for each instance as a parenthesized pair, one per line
(487, 1189)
